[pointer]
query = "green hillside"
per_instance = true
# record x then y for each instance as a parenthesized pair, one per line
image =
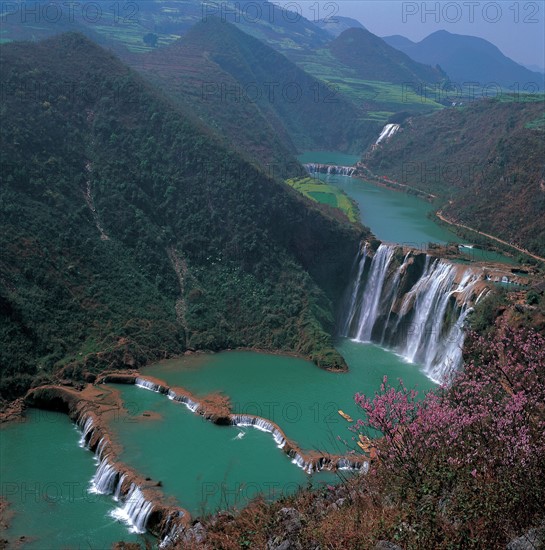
(358, 67)
(484, 160)
(254, 96)
(129, 235)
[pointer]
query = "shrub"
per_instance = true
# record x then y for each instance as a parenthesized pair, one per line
(467, 454)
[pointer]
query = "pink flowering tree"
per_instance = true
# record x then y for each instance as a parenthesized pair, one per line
(468, 461)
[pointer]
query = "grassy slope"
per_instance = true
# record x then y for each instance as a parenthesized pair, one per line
(330, 195)
(485, 160)
(176, 206)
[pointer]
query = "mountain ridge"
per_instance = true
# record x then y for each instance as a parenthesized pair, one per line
(232, 79)
(467, 58)
(116, 201)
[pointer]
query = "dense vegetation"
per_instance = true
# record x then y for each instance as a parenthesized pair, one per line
(128, 234)
(484, 159)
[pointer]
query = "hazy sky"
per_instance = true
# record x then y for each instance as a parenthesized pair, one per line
(516, 27)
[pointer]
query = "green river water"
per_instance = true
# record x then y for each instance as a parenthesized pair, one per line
(394, 216)
(202, 466)
(45, 477)
(207, 467)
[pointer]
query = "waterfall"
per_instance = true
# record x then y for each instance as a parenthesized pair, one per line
(86, 429)
(387, 132)
(100, 448)
(119, 486)
(347, 464)
(416, 306)
(108, 481)
(331, 169)
(373, 291)
(135, 511)
(298, 460)
(260, 424)
(148, 385)
(352, 304)
(189, 403)
(104, 482)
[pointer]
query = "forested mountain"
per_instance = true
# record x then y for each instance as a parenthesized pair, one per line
(372, 79)
(253, 95)
(484, 159)
(124, 26)
(469, 59)
(129, 234)
(374, 59)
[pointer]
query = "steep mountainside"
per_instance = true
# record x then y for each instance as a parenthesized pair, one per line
(376, 60)
(124, 26)
(468, 59)
(484, 159)
(128, 234)
(239, 85)
(336, 24)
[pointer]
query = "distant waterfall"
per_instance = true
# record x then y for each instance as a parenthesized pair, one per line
(414, 304)
(331, 169)
(387, 132)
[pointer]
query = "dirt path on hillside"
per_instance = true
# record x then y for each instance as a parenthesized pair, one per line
(441, 217)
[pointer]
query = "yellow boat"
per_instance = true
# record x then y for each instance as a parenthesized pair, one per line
(345, 416)
(365, 448)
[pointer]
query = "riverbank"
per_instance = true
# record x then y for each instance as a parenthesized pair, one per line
(443, 218)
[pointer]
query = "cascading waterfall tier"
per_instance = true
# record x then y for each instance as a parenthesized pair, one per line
(311, 463)
(135, 510)
(184, 399)
(414, 304)
(260, 424)
(149, 385)
(109, 480)
(315, 168)
(105, 480)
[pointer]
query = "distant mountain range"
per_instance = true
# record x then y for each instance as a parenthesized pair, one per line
(468, 59)
(159, 24)
(374, 59)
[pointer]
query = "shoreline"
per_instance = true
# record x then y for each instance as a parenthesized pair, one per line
(91, 408)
